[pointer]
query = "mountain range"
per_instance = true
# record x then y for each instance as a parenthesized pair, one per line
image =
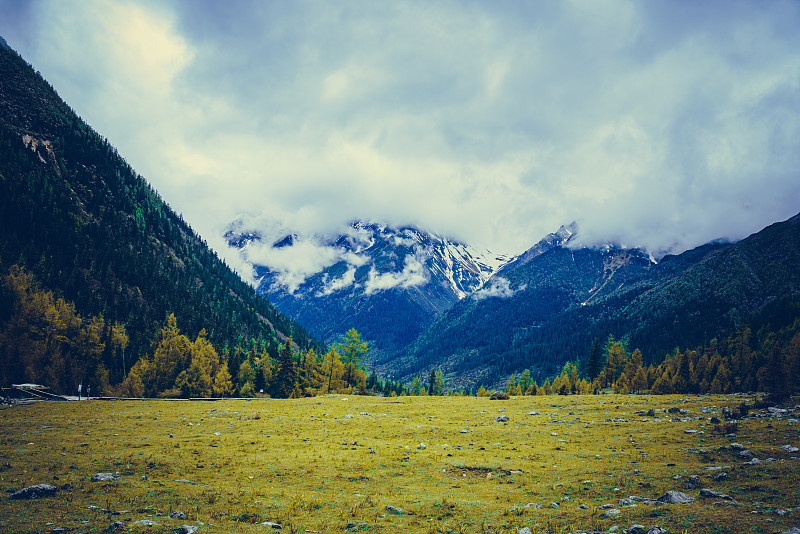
(388, 283)
(87, 226)
(534, 311)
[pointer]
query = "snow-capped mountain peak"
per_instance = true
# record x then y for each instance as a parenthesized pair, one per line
(365, 257)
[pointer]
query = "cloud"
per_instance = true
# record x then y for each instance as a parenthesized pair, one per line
(413, 274)
(294, 263)
(656, 124)
(337, 284)
(499, 287)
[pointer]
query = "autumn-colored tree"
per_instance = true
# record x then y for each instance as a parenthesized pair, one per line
(334, 372)
(352, 350)
(45, 340)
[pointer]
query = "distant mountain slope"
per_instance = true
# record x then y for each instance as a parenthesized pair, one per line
(78, 216)
(388, 283)
(558, 300)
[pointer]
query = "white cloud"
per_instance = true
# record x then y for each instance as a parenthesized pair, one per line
(658, 124)
(337, 284)
(497, 286)
(413, 274)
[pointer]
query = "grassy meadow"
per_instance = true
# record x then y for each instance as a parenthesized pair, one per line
(335, 463)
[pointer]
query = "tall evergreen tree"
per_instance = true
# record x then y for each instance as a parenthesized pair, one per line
(285, 380)
(593, 365)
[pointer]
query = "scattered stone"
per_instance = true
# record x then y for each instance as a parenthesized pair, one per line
(395, 510)
(737, 447)
(421, 446)
(627, 501)
(722, 476)
(690, 431)
(637, 529)
(789, 448)
(186, 529)
(745, 455)
(34, 492)
(104, 477)
(269, 524)
(553, 505)
(144, 477)
(777, 411)
(177, 514)
(715, 420)
(534, 413)
(144, 523)
(651, 413)
(501, 419)
(754, 461)
(705, 492)
(498, 395)
(694, 482)
(605, 507)
(533, 505)
(656, 529)
(610, 513)
(674, 409)
(676, 497)
(524, 530)
(793, 530)
(116, 525)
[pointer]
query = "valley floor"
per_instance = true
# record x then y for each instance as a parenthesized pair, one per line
(407, 464)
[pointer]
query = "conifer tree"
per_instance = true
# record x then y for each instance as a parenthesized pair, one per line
(593, 365)
(416, 386)
(352, 350)
(285, 380)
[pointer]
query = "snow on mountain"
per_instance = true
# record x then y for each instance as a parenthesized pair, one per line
(564, 236)
(389, 283)
(364, 258)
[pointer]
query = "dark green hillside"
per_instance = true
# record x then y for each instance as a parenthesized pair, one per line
(719, 294)
(77, 216)
(565, 299)
(486, 339)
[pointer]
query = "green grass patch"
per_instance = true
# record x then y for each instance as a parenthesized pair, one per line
(440, 464)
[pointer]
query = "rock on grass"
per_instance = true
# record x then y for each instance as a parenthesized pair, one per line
(676, 497)
(34, 492)
(104, 477)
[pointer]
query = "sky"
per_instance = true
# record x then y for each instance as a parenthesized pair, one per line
(657, 124)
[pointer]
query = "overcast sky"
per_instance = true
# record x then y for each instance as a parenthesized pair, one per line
(655, 124)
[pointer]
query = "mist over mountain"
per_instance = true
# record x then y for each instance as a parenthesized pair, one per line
(424, 301)
(89, 228)
(389, 283)
(559, 298)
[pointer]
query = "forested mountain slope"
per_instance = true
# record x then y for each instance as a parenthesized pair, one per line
(77, 216)
(559, 300)
(389, 283)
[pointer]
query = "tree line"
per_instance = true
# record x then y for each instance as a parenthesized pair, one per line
(767, 361)
(45, 340)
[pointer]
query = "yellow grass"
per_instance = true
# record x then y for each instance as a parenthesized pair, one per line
(318, 465)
